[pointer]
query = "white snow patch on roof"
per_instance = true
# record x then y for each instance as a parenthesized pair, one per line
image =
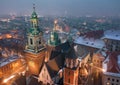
(96, 43)
(112, 34)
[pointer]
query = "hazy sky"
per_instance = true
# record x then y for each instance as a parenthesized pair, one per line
(62, 7)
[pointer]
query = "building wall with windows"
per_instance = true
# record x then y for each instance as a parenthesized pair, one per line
(70, 76)
(111, 78)
(112, 45)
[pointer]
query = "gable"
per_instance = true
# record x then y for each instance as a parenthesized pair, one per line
(44, 75)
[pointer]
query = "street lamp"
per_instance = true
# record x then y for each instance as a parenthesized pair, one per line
(7, 79)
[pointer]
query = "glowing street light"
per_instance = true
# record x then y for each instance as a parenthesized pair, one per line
(7, 79)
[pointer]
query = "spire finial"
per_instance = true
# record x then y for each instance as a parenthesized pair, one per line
(55, 23)
(33, 7)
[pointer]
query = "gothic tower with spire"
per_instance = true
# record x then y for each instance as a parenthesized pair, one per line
(34, 51)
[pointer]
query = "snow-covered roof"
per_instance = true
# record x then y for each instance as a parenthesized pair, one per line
(95, 43)
(112, 74)
(119, 59)
(106, 60)
(8, 60)
(112, 34)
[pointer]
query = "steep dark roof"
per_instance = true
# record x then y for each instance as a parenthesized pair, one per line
(60, 49)
(54, 54)
(51, 72)
(21, 80)
(55, 65)
(33, 81)
(64, 47)
(71, 54)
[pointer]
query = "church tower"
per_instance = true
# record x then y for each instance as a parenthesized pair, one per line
(71, 68)
(34, 51)
(53, 42)
(54, 37)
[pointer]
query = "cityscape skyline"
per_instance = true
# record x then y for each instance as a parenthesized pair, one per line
(62, 7)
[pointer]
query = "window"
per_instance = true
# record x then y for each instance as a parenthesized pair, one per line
(117, 80)
(42, 75)
(108, 78)
(112, 84)
(97, 61)
(31, 42)
(39, 42)
(68, 73)
(68, 80)
(112, 79)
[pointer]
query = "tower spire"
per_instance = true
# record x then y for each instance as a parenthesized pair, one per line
(35, 41)
(55, 24)
(54, 37)
(33, 7)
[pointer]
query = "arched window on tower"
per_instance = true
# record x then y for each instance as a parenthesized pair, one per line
(31, 42)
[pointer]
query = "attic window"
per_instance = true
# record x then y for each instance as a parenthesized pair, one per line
(92, 44)
(86, 42)
(116, 35)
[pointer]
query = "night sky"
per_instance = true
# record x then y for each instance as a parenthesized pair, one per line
(62, 7)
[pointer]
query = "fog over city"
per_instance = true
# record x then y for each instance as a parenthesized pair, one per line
(61, 7)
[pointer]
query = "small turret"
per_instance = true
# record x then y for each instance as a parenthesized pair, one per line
(54, 37)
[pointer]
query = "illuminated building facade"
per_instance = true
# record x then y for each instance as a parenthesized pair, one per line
(71, 69)
(111, 64)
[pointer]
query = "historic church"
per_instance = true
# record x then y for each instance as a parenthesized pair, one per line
(52, 63)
